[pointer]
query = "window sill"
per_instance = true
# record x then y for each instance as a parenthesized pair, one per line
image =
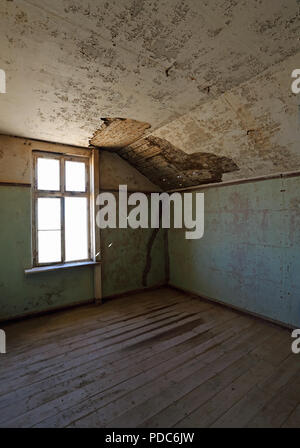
(56, 267)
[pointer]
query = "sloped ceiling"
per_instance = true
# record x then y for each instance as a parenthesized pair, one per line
(183, 67)
(163, 163)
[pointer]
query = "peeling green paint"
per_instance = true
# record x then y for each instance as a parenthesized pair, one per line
(125, 259)
(20, 294)
(249, 256)
(123, 253)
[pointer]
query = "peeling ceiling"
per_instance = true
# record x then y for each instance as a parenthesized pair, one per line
(209, 77)
(163, 163)
(118, 132)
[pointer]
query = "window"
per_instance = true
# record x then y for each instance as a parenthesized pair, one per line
(61, 209)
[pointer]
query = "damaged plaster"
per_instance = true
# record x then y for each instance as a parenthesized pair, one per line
(156, 158)
(169, 167)
(67, 63)
(210, 77)
(149, 254)
(256, 124)
(118, 132)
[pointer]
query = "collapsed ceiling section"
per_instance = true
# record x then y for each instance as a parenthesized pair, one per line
(252, 130)
(156, 158)
(171, 168)
(211, 77)
(118, 132)
(69, 62)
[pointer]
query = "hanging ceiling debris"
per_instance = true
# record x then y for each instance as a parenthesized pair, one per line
(163, 163)
(118, 132)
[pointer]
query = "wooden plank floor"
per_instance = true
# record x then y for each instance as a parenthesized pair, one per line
(154, 359)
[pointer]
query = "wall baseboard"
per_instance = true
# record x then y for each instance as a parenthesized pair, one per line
(139, 291)
(133, 292)
(235, 308)
(14, 184)
(56, 309)
(95, 302)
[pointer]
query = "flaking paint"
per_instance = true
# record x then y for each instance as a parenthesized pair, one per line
(249, 256)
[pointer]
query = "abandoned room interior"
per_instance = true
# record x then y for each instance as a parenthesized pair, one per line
(149, 214)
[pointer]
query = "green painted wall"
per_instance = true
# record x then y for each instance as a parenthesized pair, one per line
(124, 261)
(249, 256)
(125, 256)
(20, 294)
(122, 270)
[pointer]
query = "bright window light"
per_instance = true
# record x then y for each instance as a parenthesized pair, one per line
(76, 229)
(49, 214)
(48, 177)
(75, 176)
(49, 246)
(61, 213)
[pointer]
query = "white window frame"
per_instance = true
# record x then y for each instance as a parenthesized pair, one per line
(61, 194)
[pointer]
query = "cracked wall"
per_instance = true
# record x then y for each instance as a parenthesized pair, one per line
(124, 253)
(133, 259)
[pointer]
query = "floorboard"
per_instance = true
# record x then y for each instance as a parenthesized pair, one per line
(159, 358)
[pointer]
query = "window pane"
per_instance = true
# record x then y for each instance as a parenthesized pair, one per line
(48, 174)
(75, 176)
(48, 214)
(76, 229)
(49, 246)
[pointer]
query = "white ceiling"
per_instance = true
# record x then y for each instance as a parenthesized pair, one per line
(68, 63)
